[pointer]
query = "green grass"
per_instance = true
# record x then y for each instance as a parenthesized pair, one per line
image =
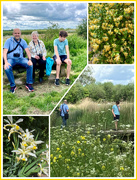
(13, 104)
(45, 102)
(96, 114)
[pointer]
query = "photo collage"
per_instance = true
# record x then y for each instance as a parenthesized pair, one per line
(68, 90)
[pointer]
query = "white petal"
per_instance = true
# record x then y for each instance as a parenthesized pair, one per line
(38, 142)
(7, 121)
(31, 154)
(19, 120)
(32, 130)
(11, 119)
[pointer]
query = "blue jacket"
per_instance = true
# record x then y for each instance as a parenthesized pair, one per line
(49, 64)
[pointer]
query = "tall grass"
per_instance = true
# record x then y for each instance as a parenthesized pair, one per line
(88, 112)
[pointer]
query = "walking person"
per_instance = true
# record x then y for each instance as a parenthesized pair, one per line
(116, 113)
(64, 110)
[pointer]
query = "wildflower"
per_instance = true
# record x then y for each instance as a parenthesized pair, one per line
(72, 153)
(63, 143)
(82, 137)
(83, 154)
(51, 155)
(104, 139)
(107, 47)
(109, 136)
(122, 168)
(60, 156)
(24, 152)
(55, 159)
(112, 149)
(14, 126)
(58, 149)
(103, 167)
(67, 160)
(43, 170)
(27, 136)
(78, 142)
(78, 174)
(95, 60)
(105, 38)
(95, 47)
(79, 149)
(67, 167)
(23, 144)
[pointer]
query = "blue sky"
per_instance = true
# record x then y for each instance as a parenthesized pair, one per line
(117, 74)
(38, 15)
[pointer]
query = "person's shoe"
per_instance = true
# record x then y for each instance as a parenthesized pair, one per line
(40, 79)
(12, 89)
(29, 87)
(67, 82)
(57, 82)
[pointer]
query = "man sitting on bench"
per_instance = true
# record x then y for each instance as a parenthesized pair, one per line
(13, 55)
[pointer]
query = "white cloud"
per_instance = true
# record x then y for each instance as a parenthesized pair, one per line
(117, 74)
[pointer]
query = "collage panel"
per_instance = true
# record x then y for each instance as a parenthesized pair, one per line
(111, 33)
(53, 37)
(97, 140)
(25, 146)
(69, 90)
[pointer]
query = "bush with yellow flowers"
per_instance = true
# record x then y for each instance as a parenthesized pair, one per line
(111, 33)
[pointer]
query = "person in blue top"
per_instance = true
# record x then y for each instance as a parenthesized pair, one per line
(61, 55)
(13, 55)
(116, 113)
(63, 110)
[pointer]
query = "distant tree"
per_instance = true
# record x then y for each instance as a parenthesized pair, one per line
(76, 93)
(87, 76)
(108, 88)
(82, 28)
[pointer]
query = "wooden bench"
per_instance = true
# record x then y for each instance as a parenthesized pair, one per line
(20, 69)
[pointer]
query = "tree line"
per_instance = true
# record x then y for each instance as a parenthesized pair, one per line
(101, 92)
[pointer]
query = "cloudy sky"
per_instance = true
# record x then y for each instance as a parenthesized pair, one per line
(117, 74)
(38, 15)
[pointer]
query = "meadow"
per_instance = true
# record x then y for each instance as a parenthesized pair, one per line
(87, 111)
(83, 149)
(46, 94)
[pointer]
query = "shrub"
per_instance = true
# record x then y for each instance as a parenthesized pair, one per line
(111, 33)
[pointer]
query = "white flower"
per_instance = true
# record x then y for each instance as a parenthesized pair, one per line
(14, 126)
(44, 170)
(24, 152)
(27, 136)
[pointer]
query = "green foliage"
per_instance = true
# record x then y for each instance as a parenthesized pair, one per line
(101, 91)
(111, 33)
(82, 28)
(14, 168)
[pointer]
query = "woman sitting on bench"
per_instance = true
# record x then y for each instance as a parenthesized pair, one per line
(38, 54)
